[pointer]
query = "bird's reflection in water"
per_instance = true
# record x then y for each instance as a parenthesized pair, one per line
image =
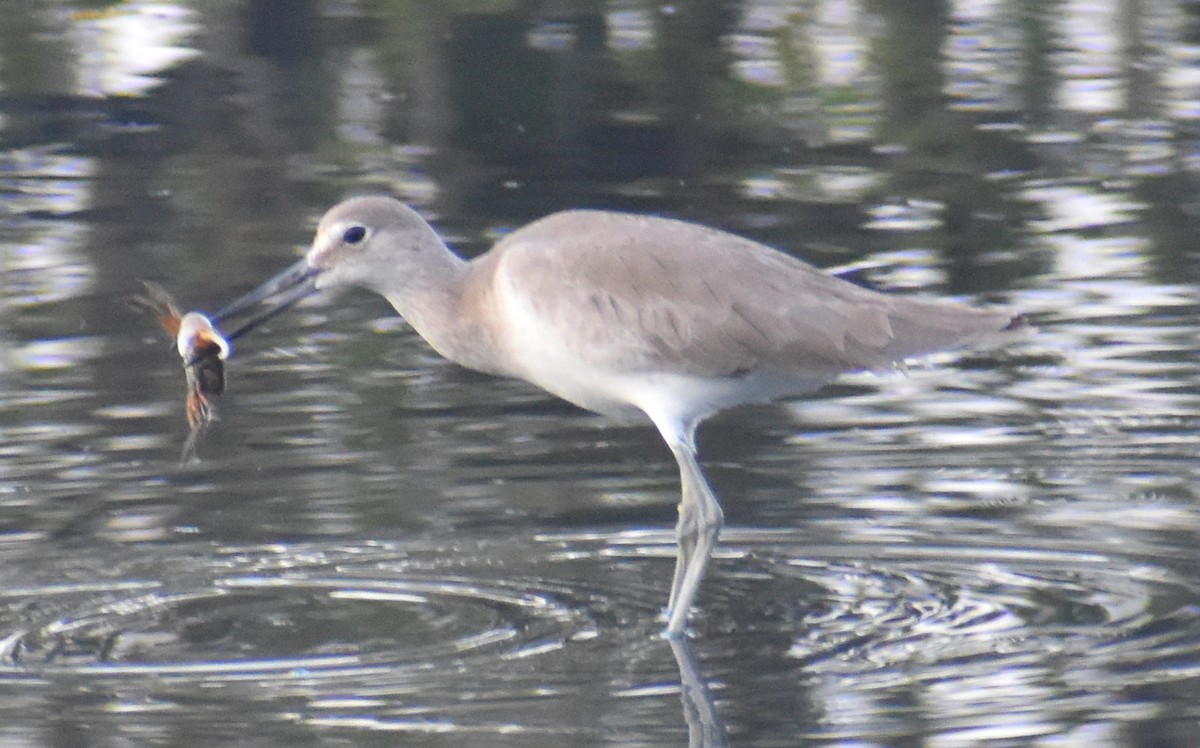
(705, 727)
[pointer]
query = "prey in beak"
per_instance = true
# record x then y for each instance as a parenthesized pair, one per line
(203, 350)
(273, 297)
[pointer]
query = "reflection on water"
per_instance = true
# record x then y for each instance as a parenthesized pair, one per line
(990, 548)
(453, 637)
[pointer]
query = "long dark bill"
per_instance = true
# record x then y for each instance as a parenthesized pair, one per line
(273, 297)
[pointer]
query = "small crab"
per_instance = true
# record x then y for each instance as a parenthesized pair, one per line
(203, 349)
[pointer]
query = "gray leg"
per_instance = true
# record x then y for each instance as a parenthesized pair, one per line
(700, 520)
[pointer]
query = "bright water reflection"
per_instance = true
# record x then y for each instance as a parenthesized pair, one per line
(993, 548)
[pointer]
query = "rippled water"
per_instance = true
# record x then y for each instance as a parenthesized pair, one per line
(378, 547)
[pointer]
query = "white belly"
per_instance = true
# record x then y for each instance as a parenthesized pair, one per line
(655, 393)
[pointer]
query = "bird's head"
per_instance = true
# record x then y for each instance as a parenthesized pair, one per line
(363, 241)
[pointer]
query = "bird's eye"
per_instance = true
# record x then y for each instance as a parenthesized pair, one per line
(354, 234)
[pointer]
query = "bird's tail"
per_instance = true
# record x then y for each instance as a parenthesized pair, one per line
(922, 327)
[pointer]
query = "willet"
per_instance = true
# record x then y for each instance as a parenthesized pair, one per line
(627, 314)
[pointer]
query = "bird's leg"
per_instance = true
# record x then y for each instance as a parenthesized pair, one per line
(700, 520)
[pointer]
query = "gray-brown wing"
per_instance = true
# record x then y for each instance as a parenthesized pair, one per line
(646, 293)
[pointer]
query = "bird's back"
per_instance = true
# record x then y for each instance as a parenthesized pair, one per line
(640, 293)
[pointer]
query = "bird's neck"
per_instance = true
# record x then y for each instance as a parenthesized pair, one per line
(450, 306)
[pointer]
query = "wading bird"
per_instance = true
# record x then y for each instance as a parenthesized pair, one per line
(627, 314)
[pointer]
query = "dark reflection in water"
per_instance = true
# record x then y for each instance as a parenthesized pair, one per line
(996, 548)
